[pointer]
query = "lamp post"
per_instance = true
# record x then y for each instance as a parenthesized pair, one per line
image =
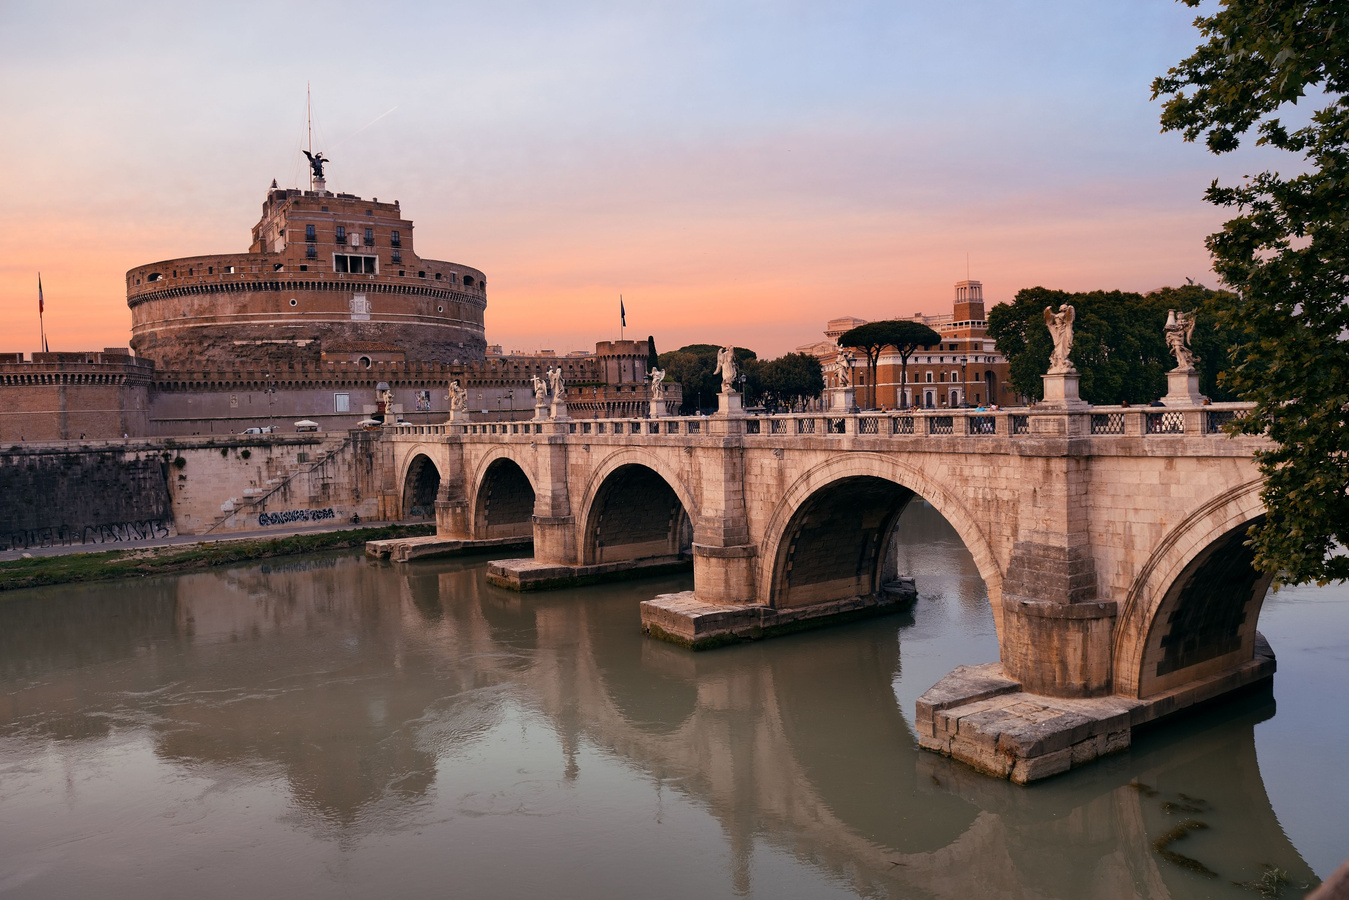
(270, 391)
(964, 381)
(510, 399)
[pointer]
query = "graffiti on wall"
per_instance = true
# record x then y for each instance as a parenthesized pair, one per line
(295, 515)
(65, 535)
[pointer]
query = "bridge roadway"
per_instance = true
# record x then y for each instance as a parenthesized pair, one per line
(1110, 541)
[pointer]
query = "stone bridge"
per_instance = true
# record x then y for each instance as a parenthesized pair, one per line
(1110, 541)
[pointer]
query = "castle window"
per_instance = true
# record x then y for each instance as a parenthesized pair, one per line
(310, 252)
(398, 256)
(228, 270)
(370, 237)
(304, 268)
(421, 274)
(341, 234)
(437, 276)
(276, 267)
(468, 280)
(341, 403)
(310, 234)
(395, 240)
(294, 302)
(929, 377)
(153, 276)
(210, 270)
(355, 264)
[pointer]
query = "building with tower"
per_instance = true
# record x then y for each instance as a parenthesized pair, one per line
(963, 369)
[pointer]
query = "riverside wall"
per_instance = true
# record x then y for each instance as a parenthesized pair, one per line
(105, 493)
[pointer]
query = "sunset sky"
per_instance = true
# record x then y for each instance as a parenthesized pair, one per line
(738, 171)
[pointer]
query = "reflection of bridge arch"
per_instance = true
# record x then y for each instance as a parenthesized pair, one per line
(634, 507)
(421, 484)
(838, 489)
(1192, 609)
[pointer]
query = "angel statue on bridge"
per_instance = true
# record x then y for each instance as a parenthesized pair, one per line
(458, 397)
(726, 367)
(558, 385)
(657, 385)
(1060, 326)
(540, 391)
(1179, 330)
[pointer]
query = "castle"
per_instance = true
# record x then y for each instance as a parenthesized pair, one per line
(330, 305)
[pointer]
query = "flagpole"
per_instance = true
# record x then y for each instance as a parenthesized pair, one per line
(622, 317)
(41, 323)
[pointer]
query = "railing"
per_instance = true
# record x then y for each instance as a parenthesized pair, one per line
(982, 424)
(1107, 423)
(1104, 422)
(1166, 423)
(1216, 419)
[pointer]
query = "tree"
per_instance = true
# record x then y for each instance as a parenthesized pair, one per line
(1119, 348)
(652, 358)
(784, 381)
(905, 335)
(1285, 255)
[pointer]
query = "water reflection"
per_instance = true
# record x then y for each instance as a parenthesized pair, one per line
(392, 702)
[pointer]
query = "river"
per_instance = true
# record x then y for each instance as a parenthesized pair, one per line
(329, 726)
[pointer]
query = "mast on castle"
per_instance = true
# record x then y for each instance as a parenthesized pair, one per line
(316, 160)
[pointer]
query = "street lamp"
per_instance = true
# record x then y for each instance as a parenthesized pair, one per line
(269, 390)
(964, 381)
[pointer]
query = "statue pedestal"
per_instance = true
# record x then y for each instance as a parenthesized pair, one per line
(559, 410)
(457, 417)
(540, 412)
(728, 405)
(842, 400)
(1182, 388)
(658, 409)
(1061, 391)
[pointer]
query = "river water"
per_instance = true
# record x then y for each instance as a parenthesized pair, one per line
(328, 726)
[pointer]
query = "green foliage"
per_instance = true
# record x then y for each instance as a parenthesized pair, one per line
(694, 368)
(1285, 254)
(1119, 348)
(783, 382)
(905, 335)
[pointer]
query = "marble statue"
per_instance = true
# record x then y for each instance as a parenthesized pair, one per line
(844, 371)
(1179, 330)
(558, 386)
(1060, 326)
(657, 384)
(458, 398)
(540, 391)
(727, 368)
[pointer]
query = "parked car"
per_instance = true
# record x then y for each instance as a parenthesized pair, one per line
(266, 429)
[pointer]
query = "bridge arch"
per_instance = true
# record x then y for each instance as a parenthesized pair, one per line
(1192, 610)
(503, 504)
(421, 485)
(635, 507)
(869, 491)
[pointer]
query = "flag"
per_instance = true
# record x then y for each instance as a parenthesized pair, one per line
(622, 313)
(39, 294)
